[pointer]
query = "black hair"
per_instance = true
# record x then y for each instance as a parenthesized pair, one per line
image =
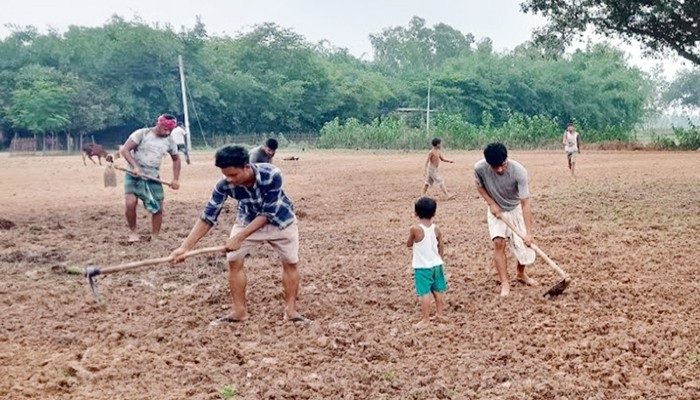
(231, 156)
(495, 154)
(425, 207)
(436, 142)
(571, 124)
(271, 144)
(168, 116)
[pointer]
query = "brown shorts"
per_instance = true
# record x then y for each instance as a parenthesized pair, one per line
(284, 241)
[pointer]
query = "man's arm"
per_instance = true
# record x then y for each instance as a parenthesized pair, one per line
(493, 206)
(126, 153)
(198, 231)
(527, 217)
(578, 143)
(235, 242)
(177, 166)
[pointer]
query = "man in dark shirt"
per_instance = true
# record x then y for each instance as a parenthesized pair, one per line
(265, 214)
(264, 153)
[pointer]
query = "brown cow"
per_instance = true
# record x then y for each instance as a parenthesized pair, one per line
(92, 149)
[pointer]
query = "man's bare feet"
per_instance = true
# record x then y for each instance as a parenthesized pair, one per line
(527, 280)
(297, 318)
(133, 237)
(421, 323)
(505, 289)
(440, 319)
(228, 319)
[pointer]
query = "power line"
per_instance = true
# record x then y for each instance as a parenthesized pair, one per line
(196, 115)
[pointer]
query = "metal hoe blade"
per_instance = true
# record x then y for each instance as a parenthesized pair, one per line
(559, 288)
(91, 273)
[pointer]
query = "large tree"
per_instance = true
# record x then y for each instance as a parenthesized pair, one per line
(684, 89)
(658, 24)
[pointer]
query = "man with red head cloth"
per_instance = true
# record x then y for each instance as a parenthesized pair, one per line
(144, 150)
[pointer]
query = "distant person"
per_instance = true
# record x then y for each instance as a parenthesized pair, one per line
(503, 183)
(572, 146)
(265, 215)
(144, 151)
(432, 176)
(179, 134)
(264, 153)
(428, 266)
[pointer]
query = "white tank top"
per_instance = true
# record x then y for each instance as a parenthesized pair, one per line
(425, 252)
(570, 143)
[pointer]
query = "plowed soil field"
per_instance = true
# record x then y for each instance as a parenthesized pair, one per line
(626, 228)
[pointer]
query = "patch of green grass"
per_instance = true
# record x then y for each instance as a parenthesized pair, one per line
(694, 358)
(389, 375)
(228, 392)
(73, 270)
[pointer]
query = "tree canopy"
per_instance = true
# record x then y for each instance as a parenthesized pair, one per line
(658, 24)
(122, 75)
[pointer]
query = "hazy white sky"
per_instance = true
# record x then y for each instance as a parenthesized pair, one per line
(345, 23)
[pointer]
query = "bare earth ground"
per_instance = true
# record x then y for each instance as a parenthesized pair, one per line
(626, 229)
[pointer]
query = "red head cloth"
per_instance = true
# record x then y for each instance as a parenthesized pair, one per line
(167, 124)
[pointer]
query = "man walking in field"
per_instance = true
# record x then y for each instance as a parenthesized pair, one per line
(432, 176)
(179, 134)
(144, 151)
(572, 146)
(503, 184)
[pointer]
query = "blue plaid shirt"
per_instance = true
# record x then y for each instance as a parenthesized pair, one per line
(266, 197)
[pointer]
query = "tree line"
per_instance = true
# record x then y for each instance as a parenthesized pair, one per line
(122, 75)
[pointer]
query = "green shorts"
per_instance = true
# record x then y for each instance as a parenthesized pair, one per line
(430, 280)
(150, 192)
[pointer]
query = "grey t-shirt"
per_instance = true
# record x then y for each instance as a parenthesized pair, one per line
(257, 155)
(506, 190)
(151, 149)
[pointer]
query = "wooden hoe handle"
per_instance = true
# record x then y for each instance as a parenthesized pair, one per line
(152, 261)
(142, 176)
(536, 248)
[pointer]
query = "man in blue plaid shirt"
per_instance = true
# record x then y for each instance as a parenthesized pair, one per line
(265, 214)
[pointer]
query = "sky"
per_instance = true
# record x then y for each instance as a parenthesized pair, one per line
(345, 24)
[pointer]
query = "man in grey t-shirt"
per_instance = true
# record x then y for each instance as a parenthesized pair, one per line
(503, 183)
(264, 153)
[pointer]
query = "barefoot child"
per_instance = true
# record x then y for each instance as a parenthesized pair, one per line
(429, 275)
(432, 176)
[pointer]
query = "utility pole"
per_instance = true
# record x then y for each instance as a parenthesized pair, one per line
(184, 102)
(427, 112)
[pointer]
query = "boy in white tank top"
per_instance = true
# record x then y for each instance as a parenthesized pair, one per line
(428, 266)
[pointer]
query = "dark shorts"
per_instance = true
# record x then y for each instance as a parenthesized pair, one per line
(150, 192)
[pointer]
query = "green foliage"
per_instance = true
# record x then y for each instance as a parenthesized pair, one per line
(40, 102)
(694, 358)
(659, 25)
(228, 392)
(120, 76)
(682, 139)
(396, 133)
(684, 89)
